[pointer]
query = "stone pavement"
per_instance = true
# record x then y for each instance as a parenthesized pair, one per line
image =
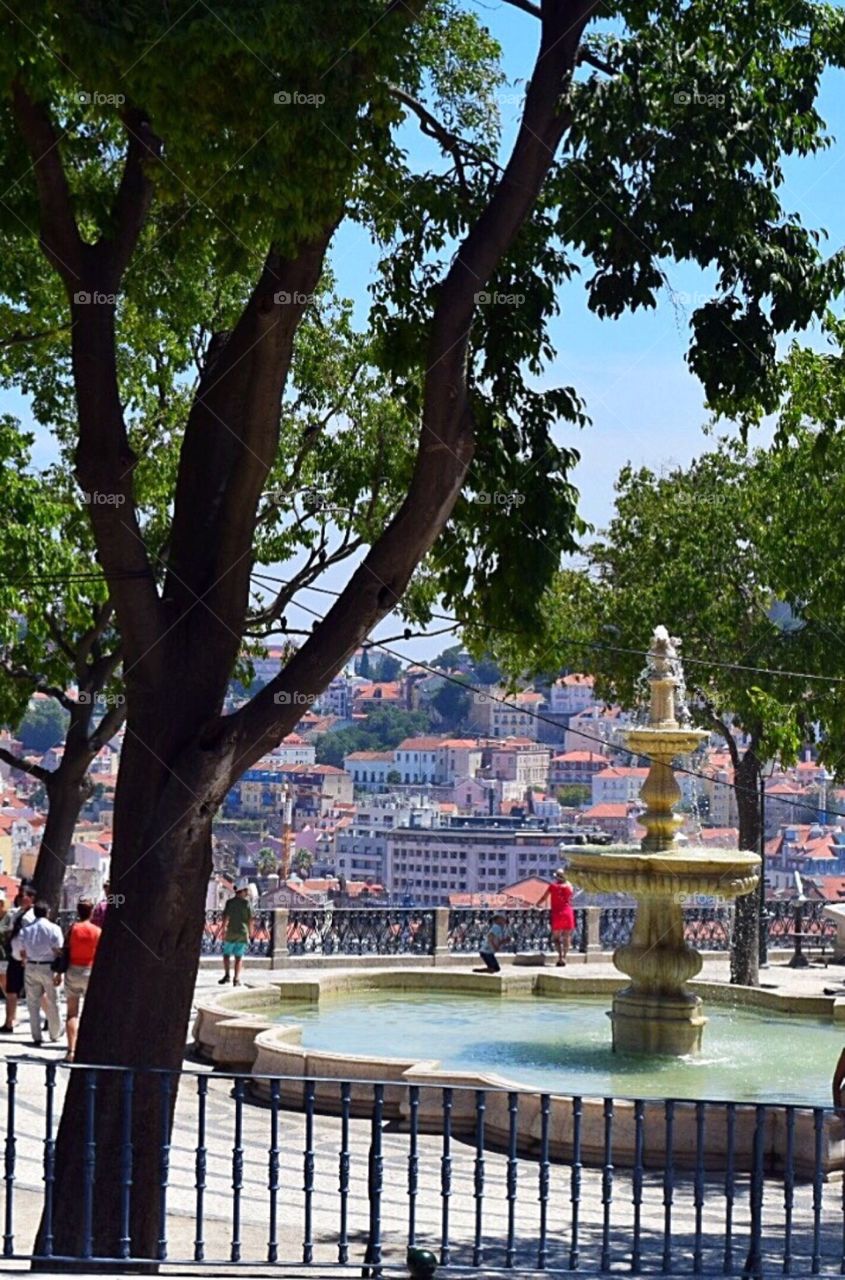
(596, 1234)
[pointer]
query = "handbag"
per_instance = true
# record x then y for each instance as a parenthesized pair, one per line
(61, 963)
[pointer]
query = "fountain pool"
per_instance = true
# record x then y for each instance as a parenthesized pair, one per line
(563, 1046)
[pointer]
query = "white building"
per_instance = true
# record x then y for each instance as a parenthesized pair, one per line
(458, 758)
(291, 750)
(571, 694)
(619, 784)
(369, 770)
(497, 714)
(336, 700)
(469, 855)
(360, 849)
(417, 760)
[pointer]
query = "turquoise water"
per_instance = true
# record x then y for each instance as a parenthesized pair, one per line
(564, 1045)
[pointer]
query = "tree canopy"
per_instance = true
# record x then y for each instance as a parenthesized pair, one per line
(174, 176)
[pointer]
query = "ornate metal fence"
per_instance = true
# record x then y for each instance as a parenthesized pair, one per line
(708, 928)
(816, 927)
(615, 925)
(361, 931)
(525, 930)
(342, 1175)
(261, 937)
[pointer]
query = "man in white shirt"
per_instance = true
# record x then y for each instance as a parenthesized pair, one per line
(39, 944)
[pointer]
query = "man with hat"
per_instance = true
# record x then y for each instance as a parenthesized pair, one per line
(237, 918)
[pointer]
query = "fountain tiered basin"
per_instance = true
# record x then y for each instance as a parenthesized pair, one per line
(657, 1013)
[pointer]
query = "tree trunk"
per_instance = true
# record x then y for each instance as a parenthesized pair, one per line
(67, 790)
(745, 953)
(146, 969)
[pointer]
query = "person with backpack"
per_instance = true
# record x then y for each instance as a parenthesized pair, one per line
(23, 916)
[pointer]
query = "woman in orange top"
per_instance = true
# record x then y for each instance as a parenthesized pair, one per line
(81, 946)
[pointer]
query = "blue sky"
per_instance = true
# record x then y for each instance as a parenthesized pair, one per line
(645, 406)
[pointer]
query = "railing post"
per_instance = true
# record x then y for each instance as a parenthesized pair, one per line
(441, 933)
(280, 938)
(593, 930)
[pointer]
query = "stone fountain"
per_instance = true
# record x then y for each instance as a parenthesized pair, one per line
(657, 1013)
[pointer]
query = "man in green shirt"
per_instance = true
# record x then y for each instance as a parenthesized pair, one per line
(237, 918)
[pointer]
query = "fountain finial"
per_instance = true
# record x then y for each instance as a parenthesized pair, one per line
(664, 675)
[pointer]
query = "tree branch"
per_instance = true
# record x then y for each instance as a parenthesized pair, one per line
(588, 56)
(107, 727)
(59, 637)
(527, 7)
(446, 440)
(60, 239)
(134, 195)
(39, 685)
(16, 762)
(19, 339)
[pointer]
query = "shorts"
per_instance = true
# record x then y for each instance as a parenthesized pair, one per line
(237, 949)
(14, 977)
(76, 980)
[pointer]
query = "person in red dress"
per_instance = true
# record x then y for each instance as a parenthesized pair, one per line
(559, 895)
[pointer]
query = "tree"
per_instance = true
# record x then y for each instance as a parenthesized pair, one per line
(382, 730)
(284, 146)
(703, 551)
(452, 703)
(303, 861)
(386, 668)
(266, 862)
(59, 655)
(43, 726)
(575, 794)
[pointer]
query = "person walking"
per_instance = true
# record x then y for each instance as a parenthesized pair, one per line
(237, 919)
(559, 895)
(6, 920)
(40, 943)
(80, 946)
(22, 916)
(98, 915)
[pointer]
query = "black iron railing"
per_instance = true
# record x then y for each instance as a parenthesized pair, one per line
(707, 928)
(363, 931)
(816, 927)
(410, 930)
(260, 939)
(615, 925)
(525, 930)
(336, 1173)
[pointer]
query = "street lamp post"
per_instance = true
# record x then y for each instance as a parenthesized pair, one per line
(763, 932)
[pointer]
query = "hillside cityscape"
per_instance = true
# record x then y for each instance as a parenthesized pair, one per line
(432, 785)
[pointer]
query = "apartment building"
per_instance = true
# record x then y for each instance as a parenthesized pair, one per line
(417, 760)
(497, 714)
(521, 761)
(469, 855)
(369, 770)
(571, 694)
(618, 784)
(361, 847)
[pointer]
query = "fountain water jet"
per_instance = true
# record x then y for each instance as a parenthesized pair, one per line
(657, 1013)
